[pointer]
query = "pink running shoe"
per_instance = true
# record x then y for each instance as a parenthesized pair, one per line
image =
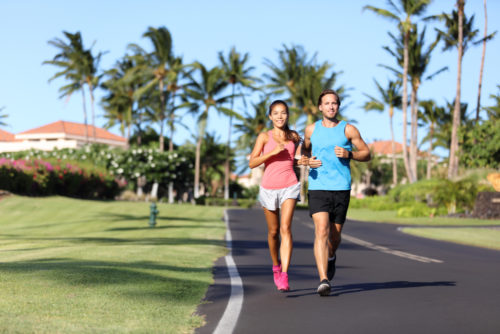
(277, 274)
(283, 283)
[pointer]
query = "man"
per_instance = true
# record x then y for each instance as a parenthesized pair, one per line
(327, 149)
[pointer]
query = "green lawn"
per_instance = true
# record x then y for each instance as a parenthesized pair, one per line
(390, 217)
(75, 266)
(480, 237)
(473, 236)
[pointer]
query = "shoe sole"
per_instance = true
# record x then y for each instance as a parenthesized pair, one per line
(324, 290)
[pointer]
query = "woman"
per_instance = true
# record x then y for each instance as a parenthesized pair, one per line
(279, 190)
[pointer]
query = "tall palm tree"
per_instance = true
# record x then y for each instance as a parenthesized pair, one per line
(390, 98)
(402, 15)
(2, 116)
(485, 39)
(459, 32)
(70, 59)
(238, 74)
(419, 60)
(204, 93)
(159, 70)
(432, 115)
(251, 125)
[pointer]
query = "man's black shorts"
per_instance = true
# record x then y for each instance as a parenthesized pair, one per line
(334, 202)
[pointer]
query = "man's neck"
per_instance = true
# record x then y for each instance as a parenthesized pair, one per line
(330, 122)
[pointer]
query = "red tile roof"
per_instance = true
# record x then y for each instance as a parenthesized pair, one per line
(76, 129)
(6, 136)
(385, 147)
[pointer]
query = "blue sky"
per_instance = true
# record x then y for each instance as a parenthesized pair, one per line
(338, 31)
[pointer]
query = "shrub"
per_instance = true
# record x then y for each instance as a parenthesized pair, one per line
(39, 178)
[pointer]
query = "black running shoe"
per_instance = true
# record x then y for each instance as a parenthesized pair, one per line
(330, 272)
(324, 288)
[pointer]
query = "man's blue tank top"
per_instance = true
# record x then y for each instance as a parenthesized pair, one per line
(334, 173)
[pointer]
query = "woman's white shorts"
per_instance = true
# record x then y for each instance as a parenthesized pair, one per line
(272, 199)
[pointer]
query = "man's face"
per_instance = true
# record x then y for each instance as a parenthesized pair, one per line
(329, 106)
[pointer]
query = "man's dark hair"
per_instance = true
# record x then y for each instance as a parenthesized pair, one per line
(326, 92)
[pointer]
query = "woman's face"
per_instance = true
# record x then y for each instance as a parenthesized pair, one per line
(279, 115)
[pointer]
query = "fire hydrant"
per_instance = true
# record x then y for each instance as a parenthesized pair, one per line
(153, 212)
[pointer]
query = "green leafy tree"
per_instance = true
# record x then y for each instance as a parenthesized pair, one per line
(79, 67)
(2, 116)
(480, 145)
(390, 98)
(458, 34)
(419, 59)
(238, 74)
(203, 92)
(402, 13)
(432, 115)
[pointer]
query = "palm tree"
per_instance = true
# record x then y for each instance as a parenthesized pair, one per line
(432, 115)
(485, 39)
(158, 70)
(402, 16)
(390, 97)
(204, 95)
(3, 116)
(458, 35)
(251, 125)
(238, 75)
(494, 111)
(419, 60)
(70, 60)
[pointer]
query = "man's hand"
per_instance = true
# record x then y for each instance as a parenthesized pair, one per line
(314, 163)
(341, 152)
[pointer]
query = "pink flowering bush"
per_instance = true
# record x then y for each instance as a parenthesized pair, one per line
(39, 178)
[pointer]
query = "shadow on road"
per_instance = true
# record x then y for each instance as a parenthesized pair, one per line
(362, 287)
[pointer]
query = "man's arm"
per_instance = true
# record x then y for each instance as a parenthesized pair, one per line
(362, 152)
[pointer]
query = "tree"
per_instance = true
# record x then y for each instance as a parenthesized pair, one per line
(402, 16)
(458, 35)
(251, 125)
(2, 116)
(239, 77)
(485, 39)
(203, 93)
(390, 98)
(79, 67)
(158, 69)
(494, 111)
(419, 60)
(432, 115)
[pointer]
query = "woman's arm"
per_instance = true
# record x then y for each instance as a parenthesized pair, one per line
(256, 157)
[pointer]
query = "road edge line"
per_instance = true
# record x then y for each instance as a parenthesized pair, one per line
(228, 321)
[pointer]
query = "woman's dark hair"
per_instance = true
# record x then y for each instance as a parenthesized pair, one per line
(289, 134)
(326, 92)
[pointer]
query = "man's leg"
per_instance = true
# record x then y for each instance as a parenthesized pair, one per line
(322, 232)
(334, 238)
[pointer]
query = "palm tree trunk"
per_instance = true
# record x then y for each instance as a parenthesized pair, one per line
(478, 107)
(86, 130)
(453, 160)
(171, 149)
(393, 148)
(162, 111)
(429, 152)
(201, 133)
(91, 93)
(414, 135)
(227, 170)
(405, 105)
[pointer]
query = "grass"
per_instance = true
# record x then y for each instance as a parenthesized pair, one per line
(473, 236)
(76, 266)
(480, 237)
(390, 217)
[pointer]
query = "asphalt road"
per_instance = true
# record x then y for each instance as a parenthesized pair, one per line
(386, 282)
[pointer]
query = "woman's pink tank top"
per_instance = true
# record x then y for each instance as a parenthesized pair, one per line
(278, 170)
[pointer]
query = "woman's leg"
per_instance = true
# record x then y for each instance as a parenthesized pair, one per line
(286, 247)
(273, 237)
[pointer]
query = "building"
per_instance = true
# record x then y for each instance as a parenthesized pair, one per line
(58, 135)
